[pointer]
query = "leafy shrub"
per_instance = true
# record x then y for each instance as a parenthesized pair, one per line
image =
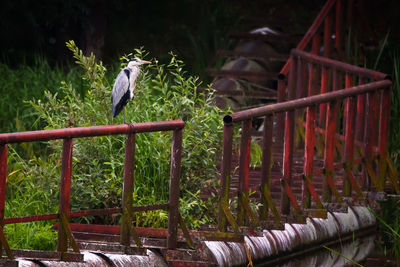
(163, 92)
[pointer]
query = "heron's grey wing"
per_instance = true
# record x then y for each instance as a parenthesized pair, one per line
(120, 94)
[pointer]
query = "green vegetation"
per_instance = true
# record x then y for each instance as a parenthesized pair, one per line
(25, 83)
(163, 92)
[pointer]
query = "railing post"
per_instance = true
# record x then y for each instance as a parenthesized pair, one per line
(339, 29)
(324, 70)
(330, 140)
(65, 193)
(360, 120)
(225, 175)
(288, 144)
(309, 135)
(383, 133)
(327, 35)
(244, 164)
(281, 97)
(348, 82)
(315, 43)
(309, 153)
(3, 185)
(266, 165)
(175, 174)
(127, 190)
(3, 179)
(349, 143)
(370, 134)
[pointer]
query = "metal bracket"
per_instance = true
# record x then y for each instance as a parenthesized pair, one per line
(266, 193)
(372, 175)
(328, 176)
(132, 230)
(392, 174)
(185, 231)
(246, 205)
(68, 233)
(289, 193)
(230, 218)
(353, 181)
(312, 191)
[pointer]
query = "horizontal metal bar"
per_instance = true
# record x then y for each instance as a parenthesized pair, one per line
(82, 213)
(44, 135)
(306, 101)
(118, 210)
(34, 218)
(341, 66)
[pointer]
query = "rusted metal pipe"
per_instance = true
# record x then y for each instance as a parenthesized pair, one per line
(339, 29)
(225, 174)
(266, 164)
(330, 137)
(281, 97)
(370, 134)
(289, 139)
(324, 71)
(349, 143)
(383, 134)
(65, 192)
(127, 190)
(44, 135)
(340, 66)
(308, 101)
(3, 180)
(360, 117)
(244, 164)
(309, 152)
(175, 174)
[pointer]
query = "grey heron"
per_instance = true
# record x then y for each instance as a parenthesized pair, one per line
(124, 86)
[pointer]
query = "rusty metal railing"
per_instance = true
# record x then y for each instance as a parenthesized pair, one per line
(332, 25)
(127, 230)
(327, 147)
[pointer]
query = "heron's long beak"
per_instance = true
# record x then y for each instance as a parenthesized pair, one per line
(144, 62)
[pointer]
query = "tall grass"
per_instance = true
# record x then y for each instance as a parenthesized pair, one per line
(27, 82)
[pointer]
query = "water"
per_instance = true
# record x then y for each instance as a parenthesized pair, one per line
(344, 254)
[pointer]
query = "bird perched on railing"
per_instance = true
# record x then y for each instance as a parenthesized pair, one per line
(124, 86)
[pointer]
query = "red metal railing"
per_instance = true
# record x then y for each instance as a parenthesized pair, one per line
(331, 25)
(328, 148)
(130, 130)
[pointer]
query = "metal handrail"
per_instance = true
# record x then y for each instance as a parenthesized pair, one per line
(373, 88)
(306, 101)
(45, 135)
(68, 134)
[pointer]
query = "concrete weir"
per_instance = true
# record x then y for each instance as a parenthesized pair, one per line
(272, 247)
(296, 239)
